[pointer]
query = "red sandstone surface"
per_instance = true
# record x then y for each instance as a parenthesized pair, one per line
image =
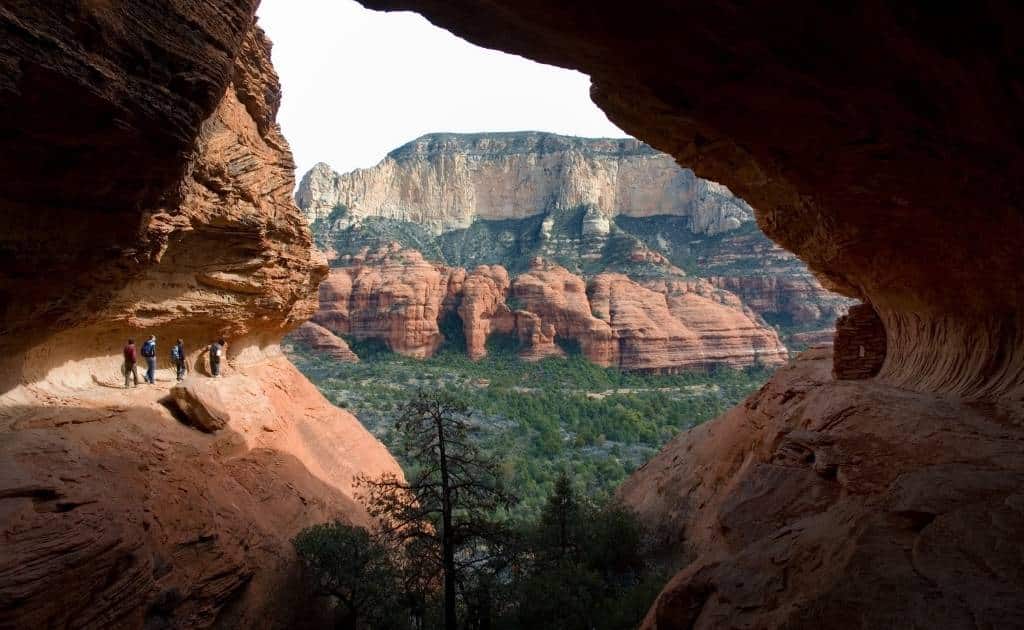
(817, 497)
(161, 205)
(483, 309)
(115, 513)
(396, 296)
(323, 341)
(802, 299)
(878, 143)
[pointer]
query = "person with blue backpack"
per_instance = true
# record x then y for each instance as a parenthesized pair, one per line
(178, 358)
(149, 354)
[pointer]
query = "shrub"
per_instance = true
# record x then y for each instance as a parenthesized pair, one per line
(350, 566)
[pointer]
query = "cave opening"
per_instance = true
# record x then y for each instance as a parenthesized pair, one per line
(594, 272)
(584, 294)
(873, 484)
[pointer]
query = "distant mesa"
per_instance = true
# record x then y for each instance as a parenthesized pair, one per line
(445, 182)
(605, 244)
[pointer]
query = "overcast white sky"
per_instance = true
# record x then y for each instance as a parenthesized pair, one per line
(358, 83)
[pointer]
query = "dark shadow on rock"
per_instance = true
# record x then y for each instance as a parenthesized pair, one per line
(98, 519)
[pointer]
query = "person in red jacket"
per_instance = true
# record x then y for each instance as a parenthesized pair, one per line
(131, 362)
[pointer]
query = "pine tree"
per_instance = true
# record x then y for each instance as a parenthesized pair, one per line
(443, 512)
(560, 520)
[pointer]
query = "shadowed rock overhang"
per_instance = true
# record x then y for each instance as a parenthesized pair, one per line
(881, 144)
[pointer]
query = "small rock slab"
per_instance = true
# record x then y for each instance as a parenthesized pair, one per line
(201, 403)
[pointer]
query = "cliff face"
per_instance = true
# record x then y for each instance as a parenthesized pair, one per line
(169, 213)
(886, 501)
(817, 497)
(447, 181)
(396, 296)
(223, 252)
(590, 205)
(483, 308)
(56, 272)
(802, 299)
(324, 342)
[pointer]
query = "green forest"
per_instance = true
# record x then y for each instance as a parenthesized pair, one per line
(538, 419)
(450, 547)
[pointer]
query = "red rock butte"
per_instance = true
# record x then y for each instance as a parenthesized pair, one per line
(146, 186)
(396, 296)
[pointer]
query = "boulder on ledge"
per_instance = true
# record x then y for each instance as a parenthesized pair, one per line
(201, 404)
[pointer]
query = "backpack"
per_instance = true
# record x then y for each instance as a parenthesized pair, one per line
(176, 352)
(149, 349)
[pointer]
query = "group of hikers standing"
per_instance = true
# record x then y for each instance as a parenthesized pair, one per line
(178, 360)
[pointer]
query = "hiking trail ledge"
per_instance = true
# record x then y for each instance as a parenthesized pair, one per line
(163, 205)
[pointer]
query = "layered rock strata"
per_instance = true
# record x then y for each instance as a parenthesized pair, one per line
(774, 507)
(396, 296)
(662, 326)
(797, 299)
(118, 514)
(447, 181)
(85, 186)
(161, 205)
(559, 300)
(505, 198)
(226, 253)
(825, 337)
(483, 309)
(393, 295)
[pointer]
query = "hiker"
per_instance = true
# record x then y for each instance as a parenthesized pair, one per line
(130, 367)
(178, 358)
(149, 354)
(216, 352)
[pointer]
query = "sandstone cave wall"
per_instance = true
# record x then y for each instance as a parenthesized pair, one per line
(205, 243)
(75, 113)
(147, 188)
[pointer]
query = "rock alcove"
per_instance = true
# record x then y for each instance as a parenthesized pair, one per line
(881, 144)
